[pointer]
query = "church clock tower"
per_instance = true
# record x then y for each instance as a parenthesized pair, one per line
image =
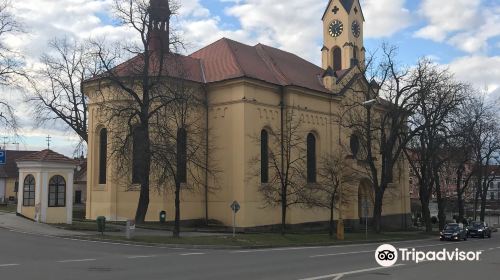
(343, 47)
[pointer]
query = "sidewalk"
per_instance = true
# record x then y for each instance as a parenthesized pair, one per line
(13, 222)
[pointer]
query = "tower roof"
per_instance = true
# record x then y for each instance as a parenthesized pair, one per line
(347, 5)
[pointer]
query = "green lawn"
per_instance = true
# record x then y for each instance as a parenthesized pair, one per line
(86, 226)
(275, 240)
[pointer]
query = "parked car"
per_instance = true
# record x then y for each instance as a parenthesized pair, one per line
(453, 231)
(479, 229)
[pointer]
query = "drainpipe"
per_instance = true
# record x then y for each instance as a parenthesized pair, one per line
(282, 146)
(206, 154)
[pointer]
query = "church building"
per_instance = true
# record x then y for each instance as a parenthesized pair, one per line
(247, 88)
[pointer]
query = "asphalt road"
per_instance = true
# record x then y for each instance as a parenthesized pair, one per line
(24, 256)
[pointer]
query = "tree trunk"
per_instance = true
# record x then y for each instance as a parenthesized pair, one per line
(283, 211)
(377, 210)
(426, 214)
(460, 198)
(177, 227)
(144, 162)
(461, 207)
(332, 205)
(484, 196)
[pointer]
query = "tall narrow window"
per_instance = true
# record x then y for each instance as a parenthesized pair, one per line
(337, 59)
(311, 158)
(264, 156)
(103, 155)
(136, 156)
(182, 155)
(57, 191)
(29, 191)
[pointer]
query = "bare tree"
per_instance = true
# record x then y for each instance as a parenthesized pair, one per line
(179, 141)
(11, 63)
(57, 87)
(286, 161)
(380, 116)
(137, 88)
(333, 190)
(438, 99)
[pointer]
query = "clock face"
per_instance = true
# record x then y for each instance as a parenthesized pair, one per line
(356, 29)
(336, 28)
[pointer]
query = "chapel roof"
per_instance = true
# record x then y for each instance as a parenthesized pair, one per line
(47, 156)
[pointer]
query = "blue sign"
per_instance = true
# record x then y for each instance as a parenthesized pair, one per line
(3, 157)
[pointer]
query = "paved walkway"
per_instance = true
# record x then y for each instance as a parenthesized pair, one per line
(16, 223)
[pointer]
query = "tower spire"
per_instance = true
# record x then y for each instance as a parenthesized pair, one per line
(159, 25)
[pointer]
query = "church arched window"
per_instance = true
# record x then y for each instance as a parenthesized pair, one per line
(311, 158)
(337, 59)
(264, 156)
(103, 157)
(182, 154)
(137, 157)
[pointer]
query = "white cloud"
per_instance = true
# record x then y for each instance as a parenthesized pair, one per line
(385, 17)
(481, 71)
(445, 17)
(466, 24)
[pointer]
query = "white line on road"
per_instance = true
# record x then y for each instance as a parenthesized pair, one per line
(349, 273)
(373, 251)
(339, 254)
(192, 254)
(9, 264)
(323, 247)
(141, 257)
(82, 260)
(338, 277)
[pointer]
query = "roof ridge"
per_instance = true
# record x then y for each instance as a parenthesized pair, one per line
(277, 72)
(235, 57)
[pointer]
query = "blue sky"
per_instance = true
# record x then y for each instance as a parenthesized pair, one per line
(463, 35)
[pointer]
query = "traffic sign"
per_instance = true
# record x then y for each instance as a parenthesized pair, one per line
(3, 157)
(235, 206)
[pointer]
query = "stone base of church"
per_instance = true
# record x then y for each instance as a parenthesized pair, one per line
(389, 222)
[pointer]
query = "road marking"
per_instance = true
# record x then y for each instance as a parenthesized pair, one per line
(338, 277)
(9, 264)
(141, 257)
(373, 251)
(340, 254)
(81, 260)
(350, 272)
(192, 254)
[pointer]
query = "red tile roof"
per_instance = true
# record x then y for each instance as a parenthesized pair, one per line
(9, 170)
(47, 156)
(226, 59)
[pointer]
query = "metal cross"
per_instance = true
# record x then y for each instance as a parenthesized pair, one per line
(48, 141)
(335, 10)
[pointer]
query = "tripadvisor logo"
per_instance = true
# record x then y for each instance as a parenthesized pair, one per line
(387, 255)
